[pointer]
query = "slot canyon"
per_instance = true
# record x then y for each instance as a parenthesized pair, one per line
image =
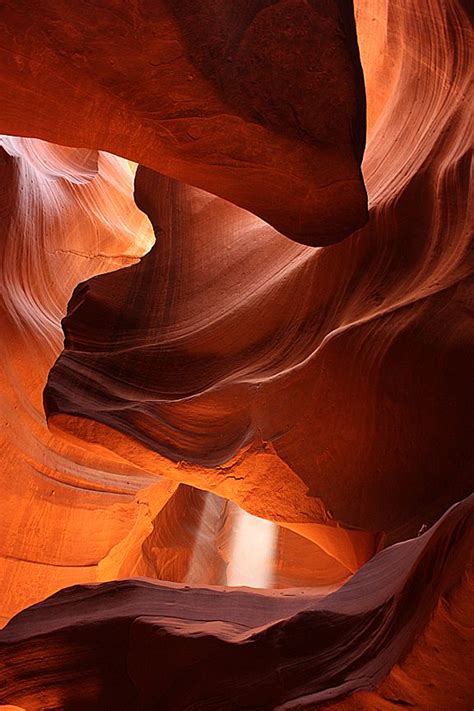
(236, 355)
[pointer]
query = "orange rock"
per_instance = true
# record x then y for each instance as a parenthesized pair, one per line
(254, 102)
(232, 373)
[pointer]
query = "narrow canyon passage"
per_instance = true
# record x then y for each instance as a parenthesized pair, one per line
(236, 347)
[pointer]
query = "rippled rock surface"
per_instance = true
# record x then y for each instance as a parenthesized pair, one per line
(236, 403)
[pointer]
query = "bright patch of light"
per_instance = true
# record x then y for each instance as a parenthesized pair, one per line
(252, 551)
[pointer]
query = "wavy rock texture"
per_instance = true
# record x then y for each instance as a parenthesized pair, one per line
(269, 651)
(250, 101)
(352, 363)
(328, 391)
(65, 509)
(69, 513)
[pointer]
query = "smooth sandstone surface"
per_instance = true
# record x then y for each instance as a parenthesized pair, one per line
(266, 650)
(64, 509)
(250, 101)
(344, 370)
(213, 368)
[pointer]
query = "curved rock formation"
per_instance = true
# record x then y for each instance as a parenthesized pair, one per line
(229, 372)
(271, 651)
(72, 513)
(65, 214)
(252, 102)
(353, 362)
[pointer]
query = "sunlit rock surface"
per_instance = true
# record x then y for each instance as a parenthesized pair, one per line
(265, 650)
(66, 213)
(236, 408)
(73, 514)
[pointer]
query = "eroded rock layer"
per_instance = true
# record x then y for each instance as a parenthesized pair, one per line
(251, 101)
(70, 512)
(64, 508)
(352, 362)
(234, 407)
(266, 650)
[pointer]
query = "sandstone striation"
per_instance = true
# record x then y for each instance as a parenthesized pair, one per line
(235, 406)
(91, 646)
